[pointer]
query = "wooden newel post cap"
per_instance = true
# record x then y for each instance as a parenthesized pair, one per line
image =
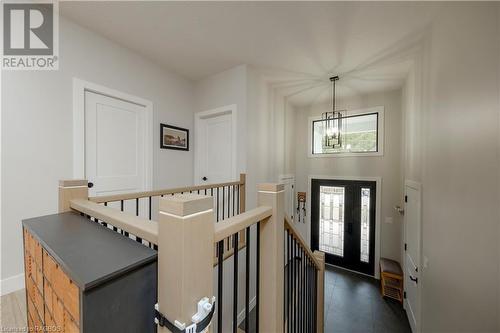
(186, 204)
(270, 187)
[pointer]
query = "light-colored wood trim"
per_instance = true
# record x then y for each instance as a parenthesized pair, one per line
(73, 182)
(271, 262)
(320, 296)
(135, 195)
(185, 262)
(186, 204)
(302, 243)
(270, 187)
(71, 189)
(242, 192)
(137, 226)
(232, 225)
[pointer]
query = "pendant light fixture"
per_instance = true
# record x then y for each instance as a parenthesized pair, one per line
(332, 122)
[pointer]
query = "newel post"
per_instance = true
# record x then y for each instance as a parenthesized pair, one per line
(271, 259)
(185, 255)
(71, 189)
(320, 297)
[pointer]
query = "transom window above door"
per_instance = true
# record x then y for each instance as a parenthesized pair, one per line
(362, 134)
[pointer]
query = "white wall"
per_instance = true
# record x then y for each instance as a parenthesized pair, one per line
(460, 285)
(388, 166)
(37, 128)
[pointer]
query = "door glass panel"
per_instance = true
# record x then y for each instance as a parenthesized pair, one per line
(331, 220)
(365, 225)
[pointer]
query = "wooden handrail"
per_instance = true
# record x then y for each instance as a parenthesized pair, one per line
(137, 226)
(302, 243)
(145, 194)
(237, 223)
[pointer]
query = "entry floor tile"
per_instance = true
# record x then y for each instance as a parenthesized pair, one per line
(353, 304)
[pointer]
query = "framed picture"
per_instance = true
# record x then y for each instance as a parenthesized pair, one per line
(173, 137)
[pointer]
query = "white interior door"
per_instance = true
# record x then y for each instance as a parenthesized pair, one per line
(215, 146)
(115, 145)
(412, 254)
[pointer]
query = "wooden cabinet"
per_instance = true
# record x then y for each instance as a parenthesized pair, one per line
(83, 277)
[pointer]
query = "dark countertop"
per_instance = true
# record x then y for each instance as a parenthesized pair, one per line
(88, 253)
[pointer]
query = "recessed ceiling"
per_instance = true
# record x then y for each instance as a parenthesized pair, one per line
(311, 39)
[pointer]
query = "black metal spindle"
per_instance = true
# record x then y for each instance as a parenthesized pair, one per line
(303, 264)
(235, 283)
(233, 198)
(220, 262)
(104, 223)
(217, 204)
(247, 282)
(150, 208)
(294, 309)
(299, 284)
(257, 287)
(307, 296)
(223, 201)
(137, 206)
(289, 282)
(294, 279)
(315, 303)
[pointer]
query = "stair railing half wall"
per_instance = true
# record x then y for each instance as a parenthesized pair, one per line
(187, 234)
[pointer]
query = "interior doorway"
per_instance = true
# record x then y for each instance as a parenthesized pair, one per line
(343, 214)
(216, 145)
(112, 134)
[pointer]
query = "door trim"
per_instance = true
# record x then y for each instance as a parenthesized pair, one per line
(228, 109)
(378, 208)
(79, 89)
(418, 187)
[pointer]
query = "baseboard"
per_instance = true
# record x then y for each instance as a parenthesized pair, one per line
(241, 315)
(11, 284)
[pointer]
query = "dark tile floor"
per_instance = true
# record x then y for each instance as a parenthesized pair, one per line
(353, 304)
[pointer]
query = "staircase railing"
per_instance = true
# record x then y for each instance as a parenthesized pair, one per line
(283, 290)
(304, 284)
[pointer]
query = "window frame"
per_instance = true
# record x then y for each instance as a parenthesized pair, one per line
(379, 110)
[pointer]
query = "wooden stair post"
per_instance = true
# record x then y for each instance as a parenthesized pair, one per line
(320, 297)
(271, 259)
(71, 189)
(185, 255)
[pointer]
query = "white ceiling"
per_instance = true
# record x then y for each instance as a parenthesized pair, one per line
(309, 39)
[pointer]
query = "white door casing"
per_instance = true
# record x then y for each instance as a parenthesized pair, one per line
(112, 139)
(290, 207)
(216, 145)
(412, 268)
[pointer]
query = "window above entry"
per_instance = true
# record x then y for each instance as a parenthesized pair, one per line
(362, 134)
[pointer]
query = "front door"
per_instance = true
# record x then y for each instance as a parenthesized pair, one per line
(343, 222)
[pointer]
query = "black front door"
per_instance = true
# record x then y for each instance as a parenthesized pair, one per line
(343, 222)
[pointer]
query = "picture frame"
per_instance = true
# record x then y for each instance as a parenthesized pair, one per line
(173, 137)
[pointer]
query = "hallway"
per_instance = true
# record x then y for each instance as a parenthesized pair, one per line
(353, 304)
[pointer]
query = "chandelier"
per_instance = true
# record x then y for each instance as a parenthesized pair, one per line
(332, 122)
